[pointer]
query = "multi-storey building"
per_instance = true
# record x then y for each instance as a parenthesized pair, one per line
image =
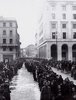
(9, 40)
(29, 51)
(56, 35)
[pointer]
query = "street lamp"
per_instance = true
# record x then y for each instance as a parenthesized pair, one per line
(56, 43)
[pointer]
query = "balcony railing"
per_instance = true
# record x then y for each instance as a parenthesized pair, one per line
(8, 44)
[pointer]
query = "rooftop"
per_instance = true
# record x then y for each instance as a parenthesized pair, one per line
(7, 19)
(62, 0)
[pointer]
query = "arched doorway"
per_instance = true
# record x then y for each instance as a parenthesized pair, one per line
(64, 52)
(74, 52)
(54, 52)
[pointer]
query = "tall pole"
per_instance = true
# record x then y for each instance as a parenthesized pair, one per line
(56, 45)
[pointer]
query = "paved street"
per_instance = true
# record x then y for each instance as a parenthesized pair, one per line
(24, 87)
(64, 75)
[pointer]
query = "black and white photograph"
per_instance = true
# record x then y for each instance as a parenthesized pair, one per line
(37, 49)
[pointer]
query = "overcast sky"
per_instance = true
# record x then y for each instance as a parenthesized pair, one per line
(26, 13)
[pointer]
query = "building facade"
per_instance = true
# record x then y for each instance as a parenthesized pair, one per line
(29, 51)
(56, 34)
(9, 40)
(23, 53)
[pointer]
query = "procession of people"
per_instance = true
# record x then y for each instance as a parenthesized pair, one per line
(52, 86)
(7, 72)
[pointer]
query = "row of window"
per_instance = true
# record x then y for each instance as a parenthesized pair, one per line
(11, 32)
(10, 49)
(64, 16)
(54, 35)
(64, 7)
(10, 41)
(10, 24)
(64, 25)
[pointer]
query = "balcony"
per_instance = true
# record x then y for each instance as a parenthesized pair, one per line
(9, 45)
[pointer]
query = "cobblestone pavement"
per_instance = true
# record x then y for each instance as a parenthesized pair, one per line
(64, 75)
(24, 87)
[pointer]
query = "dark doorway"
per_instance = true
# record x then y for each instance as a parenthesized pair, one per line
(54, 52)
(74, 52)
(64, 52)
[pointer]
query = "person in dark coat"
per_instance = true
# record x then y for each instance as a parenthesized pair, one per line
(2, 97)
(74, 97)
(73, 93)
(46, 92)
(1, 94)
(59, 97)
(6, 92)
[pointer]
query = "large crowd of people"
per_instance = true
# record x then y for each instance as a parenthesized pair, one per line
(65, 66)
(52, 86)
(7, 72)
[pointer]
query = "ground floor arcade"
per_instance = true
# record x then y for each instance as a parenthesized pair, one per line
(58, 50)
